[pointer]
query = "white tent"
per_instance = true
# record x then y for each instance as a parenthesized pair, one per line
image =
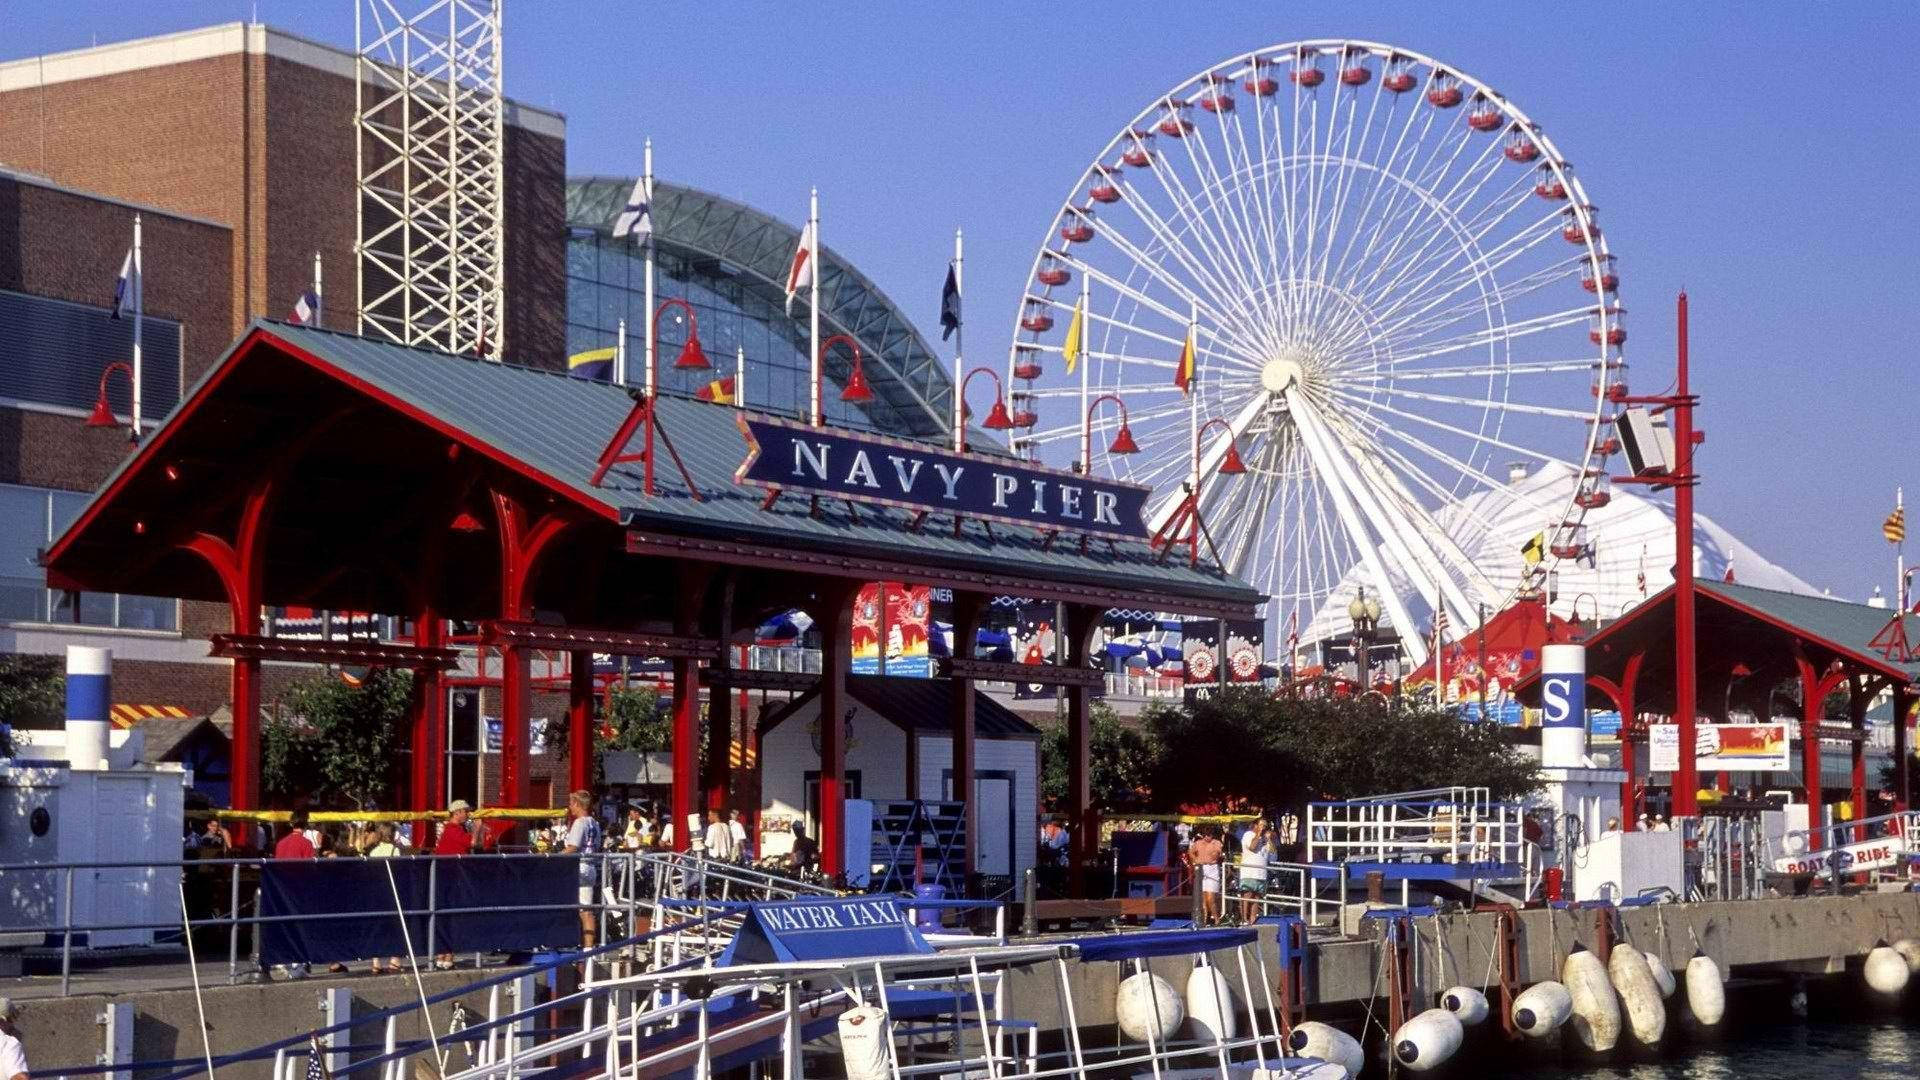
(1632, 543)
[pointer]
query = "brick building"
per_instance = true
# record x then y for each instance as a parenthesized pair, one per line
(236, 145)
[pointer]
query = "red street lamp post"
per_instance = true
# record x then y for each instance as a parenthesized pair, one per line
(691, 358)
(856, 391)
(1679, 476)
(997, 418)
(102, 415)
(1122, 440)
(1230, 465)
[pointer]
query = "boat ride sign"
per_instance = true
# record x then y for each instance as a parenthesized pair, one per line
(1876, 854)
(790, 456)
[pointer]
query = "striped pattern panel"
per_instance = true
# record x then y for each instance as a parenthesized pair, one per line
(125, 716)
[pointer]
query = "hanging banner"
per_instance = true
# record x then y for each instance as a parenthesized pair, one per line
(1033, 641)
(901, 617)
(1722, 748)
(1246, 650)
(1875, 854)
(791, 456)
(1200, 652)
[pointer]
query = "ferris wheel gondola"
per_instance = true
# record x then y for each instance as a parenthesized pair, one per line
(1394, 286)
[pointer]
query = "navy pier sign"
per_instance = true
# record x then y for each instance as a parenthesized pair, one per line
(866, 468)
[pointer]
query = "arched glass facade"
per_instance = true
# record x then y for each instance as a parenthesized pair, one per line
(728, 262)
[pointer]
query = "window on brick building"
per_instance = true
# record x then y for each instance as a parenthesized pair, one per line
(52, 353)
(30, 519)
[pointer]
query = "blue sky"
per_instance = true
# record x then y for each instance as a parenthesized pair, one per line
(1760, 155)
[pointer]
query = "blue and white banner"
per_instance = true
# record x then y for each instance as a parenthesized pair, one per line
(798, 458)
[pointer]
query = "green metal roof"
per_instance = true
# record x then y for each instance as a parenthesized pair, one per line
(1843, 623)
(556, 426)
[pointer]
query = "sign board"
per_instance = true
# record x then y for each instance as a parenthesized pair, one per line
(794, 457)
(1876, 854)
(898, 618)
(823, 928)
(1722, 748)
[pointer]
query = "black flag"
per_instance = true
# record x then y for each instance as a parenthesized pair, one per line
(949, 305)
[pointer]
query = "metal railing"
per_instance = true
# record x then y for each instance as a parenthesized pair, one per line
(622, 877)
(1457, 826)
(1287, 889)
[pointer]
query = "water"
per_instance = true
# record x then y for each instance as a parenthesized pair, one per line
(1819, 1051)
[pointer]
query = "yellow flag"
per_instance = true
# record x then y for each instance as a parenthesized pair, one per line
(1183, 369)
(1895, 527)
(1535, 549)
(1071, 351)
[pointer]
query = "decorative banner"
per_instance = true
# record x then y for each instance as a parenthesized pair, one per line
(1200, 649)
(1246, 650)
(904, 620)
(1033, 641)
(794, 457)
(312, 624)
(1722, 748)
(1876, 854)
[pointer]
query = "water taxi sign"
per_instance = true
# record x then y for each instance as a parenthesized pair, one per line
(794, 457)
(823, 928)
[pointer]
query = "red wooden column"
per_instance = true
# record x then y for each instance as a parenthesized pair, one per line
(835, 620)
(1902, 703)
(1077, 641)
(238, 564)
(1813, 693)
(718, 780)
(522, 540)
(1623, 700)
(1857, 712)
(960, 721)
(428, 715)
(580, 720)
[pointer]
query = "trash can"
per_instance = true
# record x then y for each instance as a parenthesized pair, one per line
(928, 918)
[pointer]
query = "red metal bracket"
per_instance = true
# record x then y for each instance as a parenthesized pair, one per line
(1507, 941)
(370, 653)
(1891, 642)
(645, 414)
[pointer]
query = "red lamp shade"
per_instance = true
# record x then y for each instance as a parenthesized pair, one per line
(857, 390)
(1123, 441)
(997, 418)
(1231, 465)
(102, 416)
(691, 355)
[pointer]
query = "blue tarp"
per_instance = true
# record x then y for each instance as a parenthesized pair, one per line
(502, 889)
(1160, 943)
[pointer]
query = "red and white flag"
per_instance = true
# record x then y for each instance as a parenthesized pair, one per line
(801, 272)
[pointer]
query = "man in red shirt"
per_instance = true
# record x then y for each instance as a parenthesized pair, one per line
(295, 844)
(455, 837)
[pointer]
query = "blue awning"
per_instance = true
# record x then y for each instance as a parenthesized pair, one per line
(1161, 943)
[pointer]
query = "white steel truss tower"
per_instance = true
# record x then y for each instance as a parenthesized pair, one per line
(430, 126)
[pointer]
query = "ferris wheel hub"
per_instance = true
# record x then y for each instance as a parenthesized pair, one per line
(1281, 372)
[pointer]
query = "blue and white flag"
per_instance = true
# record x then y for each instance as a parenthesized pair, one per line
(637, 219)
(126, 288)
(306, 308)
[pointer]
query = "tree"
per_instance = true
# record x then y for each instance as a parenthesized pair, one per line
(33, 693)
(337, 744)
(1221, 749)
(1121, 758)
(633, 720)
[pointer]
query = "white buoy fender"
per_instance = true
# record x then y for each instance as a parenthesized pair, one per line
(1314, 1039)
(1662, 974)
(1639, 993)
(1300, 1070)
(1706, 994)
(1596, 1008)
(1465, 1002)
(1428, 1040)
(1886, 970)
(1210, 1004)
(1147, 1004)
(863, 1043)
(1910, 949)
(1541, 1008)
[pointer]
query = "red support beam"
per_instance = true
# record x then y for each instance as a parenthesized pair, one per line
(1814, 689)
(238, 565)
(963, 700)
(719, 762)
(1623, 697)
(689, 605)
(1074, 645)
(1686, 783)
(427, 712)
(1857, 701)
(523, 539)
(1902, 704)
(580, 720)
(835, 622)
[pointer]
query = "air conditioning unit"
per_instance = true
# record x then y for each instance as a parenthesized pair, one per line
(1647, 441)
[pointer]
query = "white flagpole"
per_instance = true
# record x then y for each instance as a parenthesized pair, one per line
(1086, 367)
(1193, 413)
(813, 319)
(319, 297)
(740, 377)
(620, 355)
(959, 349)
(648, 179)
(139, 285)
(1900, 554)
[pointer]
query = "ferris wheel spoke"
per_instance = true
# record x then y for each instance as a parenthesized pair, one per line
(1344, 180)
(1482, 261)
(1380, 176)
(1218, 309)
(1415, 324)
(1505, 332)
(1227, 191)
(1482, 371)
(1483, 403)
(1221, 265)
(1259, 207)
(1453, 429)
(1114, 284)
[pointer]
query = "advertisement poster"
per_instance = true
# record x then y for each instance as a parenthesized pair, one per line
(1722, 748)
(898, 616)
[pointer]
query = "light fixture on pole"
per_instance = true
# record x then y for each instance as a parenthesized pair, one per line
(1364, 611)
(1122, 440)
(691, 358)
(997, 418)
(102, 415)
(856, 391)
(1230, 464)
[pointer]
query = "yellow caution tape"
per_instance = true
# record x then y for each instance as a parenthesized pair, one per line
(1188, 819)
(325, 816)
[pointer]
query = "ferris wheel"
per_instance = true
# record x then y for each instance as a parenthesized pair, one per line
(1397, 303)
